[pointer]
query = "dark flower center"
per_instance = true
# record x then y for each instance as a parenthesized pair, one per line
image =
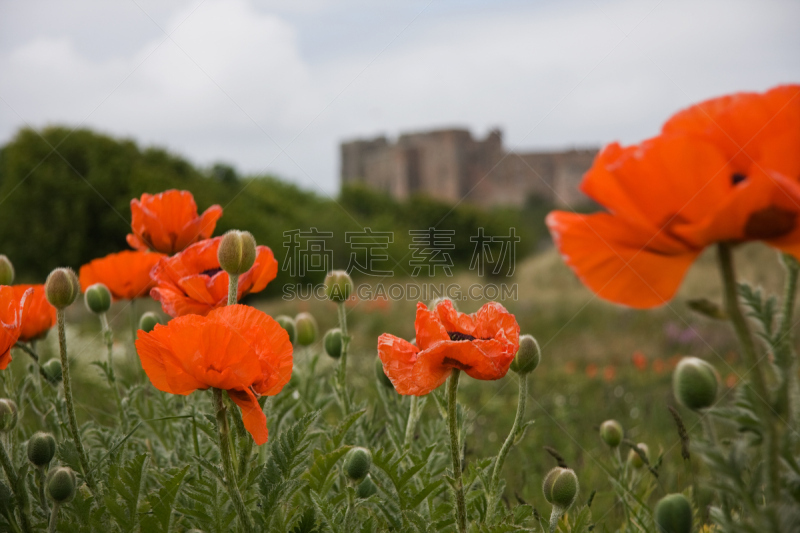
(211, 272)
(769, 223)
(737, 177)
(447, 361)
(458, 336)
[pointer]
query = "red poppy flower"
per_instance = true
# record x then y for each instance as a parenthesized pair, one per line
(192, 282)
(167, 222)
(11, 313)
(609, 373)
(39, 315)
(482, 345)
(591, 370)
(235, 348)
(639, 361)
(727, 170)
(126, 274)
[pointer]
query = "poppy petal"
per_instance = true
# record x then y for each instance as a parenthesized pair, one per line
(255, 421)
(428, 328)
(409, 374)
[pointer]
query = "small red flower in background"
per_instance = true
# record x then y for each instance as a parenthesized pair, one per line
(39, 315)
(235, 348)
(168, 222)
(11, 313)
(126, 274)
(192, 282)
(609, 373)
(482, 344)
(591, 370)
(659, 366)
(731, 380)
(725, 170)
(639, 361)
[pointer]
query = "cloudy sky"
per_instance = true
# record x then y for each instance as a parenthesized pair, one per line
(275, 86)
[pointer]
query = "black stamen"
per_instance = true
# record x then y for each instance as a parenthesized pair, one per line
(737, 177)
(211, 272)
(458, 336)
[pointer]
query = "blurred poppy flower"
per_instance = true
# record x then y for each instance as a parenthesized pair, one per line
(167, 222)
(11, 313)
(591, 370)
(609, 373)
(726, 170)
(39, 315)
(658, 366)
(236, 348)
(192, 282)
(639, 361)
(731, 380)
(482, 344)
(126, 274)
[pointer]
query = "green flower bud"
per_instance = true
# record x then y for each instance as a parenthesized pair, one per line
(237, 252)
(287, 323)
(333, 342)
(383, 379)
(634, 459)
(611, 433)
(528, 356)
(560, 487)
(60, 484)
(695, 383)
(8, 415)
(148, 321)
(6, 271)
(357, 463)
(366, 488)
(97, 298)
(338, 286)
(673, 514)
(306, 329)
(41, 448)
(62, 287)
(52, 371)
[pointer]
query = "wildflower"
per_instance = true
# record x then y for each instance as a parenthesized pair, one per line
(482, 344)
(125, 274)
(11, 312)
(731, 380)
(609, 373)
(725, 170)
(235, 348)
(39, 315)
(167, 222)
(192, 281)
(591, 370)
(639, 361)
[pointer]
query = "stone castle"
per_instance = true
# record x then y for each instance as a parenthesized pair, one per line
(451, 165)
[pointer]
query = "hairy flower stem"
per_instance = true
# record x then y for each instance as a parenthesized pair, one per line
(18, 488)
(411, 423)
(341, 373)
(227, 463)
(555, 516)
(786, 358)
(745, 336)
(512, 435)
(73, 421)
(108, 336)
(53, 518)
(233, 288)
(40, 477)
(455, 450)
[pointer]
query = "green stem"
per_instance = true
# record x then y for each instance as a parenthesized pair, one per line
(789, 394)
(53, 518)
(411, 423)
(18, 488)
(233, 289)
(73, 421)
(512, 435)
(555, 515)
(341, 374)
(108, 335)
(40, 481)
(745, 336)
(455, 449)
(134, 322)
(227, 463)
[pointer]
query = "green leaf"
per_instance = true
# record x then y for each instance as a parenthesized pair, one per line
(161, 503)
(125, 484)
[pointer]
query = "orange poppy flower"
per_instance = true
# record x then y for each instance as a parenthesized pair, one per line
(482, 344)
(39, 315)
(126, 274)
(192, 282)
(609, 373)
(639, 361)
(167, 222)
(727, 170)
(591, 370)
(11, 313)
(235, 348)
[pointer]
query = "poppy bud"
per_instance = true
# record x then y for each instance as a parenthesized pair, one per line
(237, 252)
(306, 329)
(366, 488)
(357, 463)
(97, 298)
(6, 271)
(148, 321)
(383, 379)
(528, 356)
(287, 323)
(707, 308)
(695, 383)
(338, 286)
(611, 433)
(673, 514)
(62, 287)
(60, 483)
(41, 448)
(333, 342)
(8, 415)
(52, 371)
(635, 460)
(560, 487)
